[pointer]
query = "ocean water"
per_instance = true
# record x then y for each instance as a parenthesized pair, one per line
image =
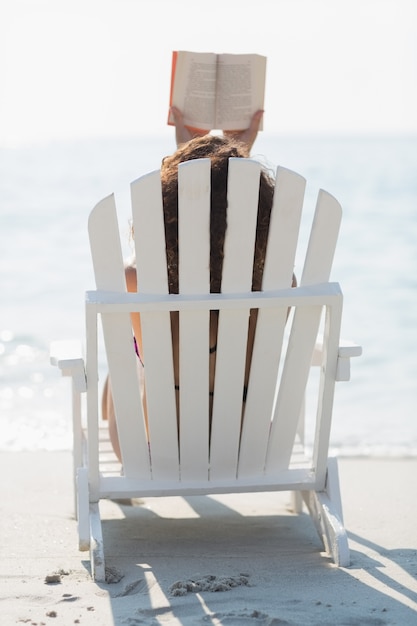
(46, 193)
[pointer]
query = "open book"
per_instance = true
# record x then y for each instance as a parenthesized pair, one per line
(217, 91)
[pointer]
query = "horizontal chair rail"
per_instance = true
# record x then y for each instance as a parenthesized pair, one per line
(316, 295)
(290, 480)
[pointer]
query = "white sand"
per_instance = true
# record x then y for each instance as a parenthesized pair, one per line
(233, 560)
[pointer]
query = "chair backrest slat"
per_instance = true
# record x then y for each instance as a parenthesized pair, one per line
(242, 210)
(322, 241)
(117, 329)
(194, 326)
(149, 232)
(270, 326)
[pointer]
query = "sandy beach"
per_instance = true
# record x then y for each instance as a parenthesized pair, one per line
(232, 560)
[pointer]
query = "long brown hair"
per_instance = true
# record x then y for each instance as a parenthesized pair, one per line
(219, 149)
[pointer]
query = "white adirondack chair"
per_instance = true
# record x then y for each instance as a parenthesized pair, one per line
(263, 450)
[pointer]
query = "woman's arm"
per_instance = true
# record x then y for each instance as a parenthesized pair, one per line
(247, 136)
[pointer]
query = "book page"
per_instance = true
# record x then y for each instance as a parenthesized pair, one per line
(240, 89)
(193, 85)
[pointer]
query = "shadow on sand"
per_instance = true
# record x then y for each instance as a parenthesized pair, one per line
(200, 560)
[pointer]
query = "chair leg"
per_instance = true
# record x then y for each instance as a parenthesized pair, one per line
(326, 511)
(90, 534)
(98, 569)
(83, 509)
(77, 444)
(296, 505)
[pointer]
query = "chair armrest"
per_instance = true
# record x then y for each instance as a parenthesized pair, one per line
(67, 356)
(347, 350)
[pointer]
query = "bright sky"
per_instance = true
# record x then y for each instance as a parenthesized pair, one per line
(78, 68)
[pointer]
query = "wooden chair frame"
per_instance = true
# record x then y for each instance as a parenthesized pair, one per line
(261, 451)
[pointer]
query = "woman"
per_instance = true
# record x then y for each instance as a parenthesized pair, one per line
(219, 148)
